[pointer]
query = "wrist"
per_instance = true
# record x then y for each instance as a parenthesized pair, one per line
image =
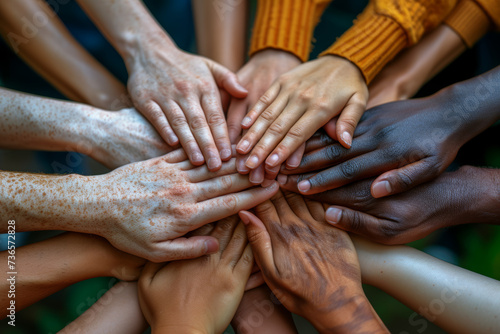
(276, 56)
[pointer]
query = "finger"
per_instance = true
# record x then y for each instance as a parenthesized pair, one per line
(269, 129)
(404, 178)
(257, 175)
(357, 222)
(349, 118)
(180, 125)
(202, 173)
(359, 168)
(201, 131)
(319, 140)
(220, 186)
(234, 250)
(316, 209)
(149, 271)
(301, 131)
(290, 182)
(240, 164)
(176, 156)
(255, 280)
(332, 155)
(224, 206)
(331, 128)
(227, 80)
(217, 122)
(272, 173)
(245, 262)
(259, 240)
(223, 231)
(184, 248)
(262, 104)
(202, 231)
(296, 157)
(283, 207)
(157, 116)
(236, 113)
(298, 205)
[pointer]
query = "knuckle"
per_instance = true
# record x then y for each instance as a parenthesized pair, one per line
(231, 202)
(226, 182)
(183, 86)
(296, 134)
(266, 99)
(180, 213)
(333, 152)
(178, 119)
(355, 222)
(348, 170)
(268, 115)
(305, 96)
(197, 123)
(388, 233)
(247, 260)
(216, 118)
(276, 129)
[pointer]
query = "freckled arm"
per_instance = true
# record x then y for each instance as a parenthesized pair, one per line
(455, 299)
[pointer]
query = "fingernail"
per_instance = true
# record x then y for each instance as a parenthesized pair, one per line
(293, 162)
(225, 154)
(246, 121)
(304, 186)
(256, 179)
(272, 160)
(252, 162)
(266, 183)
(346, 137)
(197, 157)
(244, 218)
(282, 179)
(243, 146)
(211, 246)
(333, 215)
(241, 167)
(213, 163)
(173, 140)
(381, 189)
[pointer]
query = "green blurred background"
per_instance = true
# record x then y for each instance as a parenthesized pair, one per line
(476, 248)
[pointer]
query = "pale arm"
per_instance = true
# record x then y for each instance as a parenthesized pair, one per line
(455, 299)
(48, 266)
(51, 51)
(221, 31)
(117, 311)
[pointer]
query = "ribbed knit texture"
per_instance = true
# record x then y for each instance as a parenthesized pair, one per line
(469, 21)
(385, 28)
(286, 25)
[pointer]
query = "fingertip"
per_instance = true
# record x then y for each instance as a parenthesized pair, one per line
(245, 217)
(333, 215)
(381, 189)
(304, 186)
(346, 139)
(211, 246)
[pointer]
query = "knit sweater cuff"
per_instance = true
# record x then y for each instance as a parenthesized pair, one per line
(286, 25)
(370, 43)
(469, 21)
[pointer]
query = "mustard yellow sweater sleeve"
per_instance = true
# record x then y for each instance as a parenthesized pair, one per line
(472, 19)
(385, 28)
(286, 25)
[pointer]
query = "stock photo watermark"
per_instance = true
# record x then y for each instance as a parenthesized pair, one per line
(11, 272)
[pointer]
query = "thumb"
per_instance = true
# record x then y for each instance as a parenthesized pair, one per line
(227, 80)
(349, 118)
(402, 179)
(331, 128)
(185, 248)
(259, 240)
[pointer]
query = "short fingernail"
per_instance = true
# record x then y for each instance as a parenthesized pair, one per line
(225, 154)
(241, 167)
(346, 137)
(333, 215)
(304, 186)
(293, 162)
(246, 121)
(381, 189)
(213, 163)
(244, 218)
(256, 179)
(282, 179)
(273, 160)
(173, 139)
(197, 157)
(244, 145)
(211, 246)
(252, 162)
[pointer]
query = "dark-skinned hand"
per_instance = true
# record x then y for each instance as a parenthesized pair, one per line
(311, 267)
(403, 144)
(465, 196)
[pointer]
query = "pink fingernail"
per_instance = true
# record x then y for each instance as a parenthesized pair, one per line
(243, 146)
(282, 179)
(246, 121)
(333, 215)
(304, 186)
(273, 160)
(252, 161)
(381, 189)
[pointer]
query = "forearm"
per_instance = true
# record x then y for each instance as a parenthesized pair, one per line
(48, 266)
(221, 31)
(117, 311)
(37, 123)
(258, 301)
(128, 25)
(49, 202)
(435, 289)
(58, 57)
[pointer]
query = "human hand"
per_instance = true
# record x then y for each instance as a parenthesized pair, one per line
(311, 268)
(146, 207)
(296, 106)
(404, 143)
(123, 137)
(208, 288)
(451, 199)
(179, 94)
